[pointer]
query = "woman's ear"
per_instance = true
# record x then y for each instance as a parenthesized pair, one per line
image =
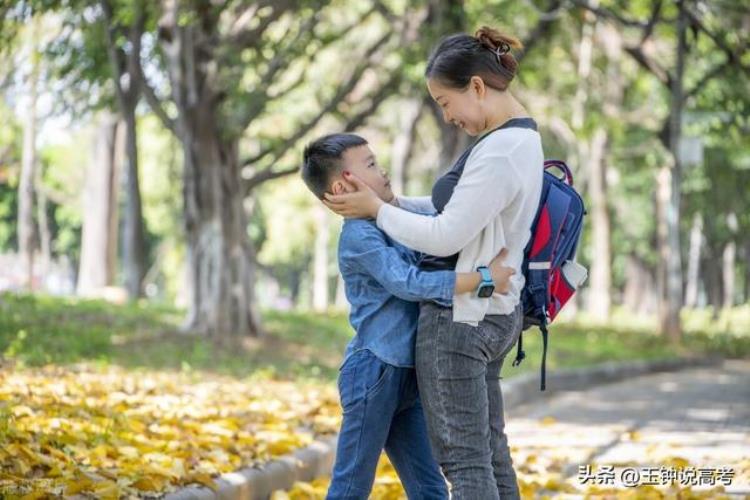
(477, 85)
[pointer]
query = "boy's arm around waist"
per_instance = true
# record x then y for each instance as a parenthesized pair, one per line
(366, 250)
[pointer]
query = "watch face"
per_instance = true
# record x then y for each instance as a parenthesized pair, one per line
(486, 291)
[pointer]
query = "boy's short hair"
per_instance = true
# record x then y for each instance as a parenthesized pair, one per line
(322, 160)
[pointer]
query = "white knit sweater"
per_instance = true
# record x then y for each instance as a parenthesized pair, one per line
(492, 207)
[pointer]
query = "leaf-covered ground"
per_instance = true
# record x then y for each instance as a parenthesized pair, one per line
(111, 432)
(545, 472)
(112, 401)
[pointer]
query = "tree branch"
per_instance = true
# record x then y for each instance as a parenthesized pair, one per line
(242, 38)
(655, 15)
(609, 14)
(383, 92)
(266, 175)
(261, 96)
(731, 53)
(542, 28)
(116, 57)
(301, 79)
(340, 94)
(649, 64)
(377, 98)
(709, 75)
(155, 104)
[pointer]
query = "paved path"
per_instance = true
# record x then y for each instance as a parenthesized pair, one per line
(690, 423)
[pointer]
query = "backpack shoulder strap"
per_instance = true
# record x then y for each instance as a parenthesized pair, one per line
(527, 123)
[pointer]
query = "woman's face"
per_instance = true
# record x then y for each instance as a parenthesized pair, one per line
(461, 107)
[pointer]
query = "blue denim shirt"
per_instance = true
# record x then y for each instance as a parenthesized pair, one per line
(384, 286)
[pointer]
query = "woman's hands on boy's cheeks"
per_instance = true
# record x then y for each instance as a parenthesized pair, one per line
(501, 274)
(360, 204)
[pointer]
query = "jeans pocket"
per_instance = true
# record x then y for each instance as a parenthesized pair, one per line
(347, 380)
(500, 332)
(361, 377)
(380, 374)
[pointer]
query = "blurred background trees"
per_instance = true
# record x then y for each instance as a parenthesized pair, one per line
(149, 149)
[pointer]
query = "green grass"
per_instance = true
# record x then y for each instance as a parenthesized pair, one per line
(38, 330)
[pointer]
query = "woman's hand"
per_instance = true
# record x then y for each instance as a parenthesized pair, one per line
(501, 274)
(360, 204)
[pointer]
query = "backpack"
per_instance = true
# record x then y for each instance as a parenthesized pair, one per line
(549, 267)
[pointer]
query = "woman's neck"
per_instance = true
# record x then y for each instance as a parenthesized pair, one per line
(501, 107)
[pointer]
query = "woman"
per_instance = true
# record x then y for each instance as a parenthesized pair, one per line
(486, 202)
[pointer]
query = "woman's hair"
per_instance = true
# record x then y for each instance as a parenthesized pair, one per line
(487, 54)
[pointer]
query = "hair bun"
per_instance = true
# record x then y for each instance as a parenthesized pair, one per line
(495, 41)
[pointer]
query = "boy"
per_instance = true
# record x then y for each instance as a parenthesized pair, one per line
(377, 382)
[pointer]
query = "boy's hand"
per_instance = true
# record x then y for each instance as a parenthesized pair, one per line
(501, 274)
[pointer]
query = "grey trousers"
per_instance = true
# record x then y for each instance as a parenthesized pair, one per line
(458, 372)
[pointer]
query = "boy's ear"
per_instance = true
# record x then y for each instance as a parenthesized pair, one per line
(338, 187)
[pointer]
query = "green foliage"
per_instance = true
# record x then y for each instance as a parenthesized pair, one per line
(10, 154)
(8, 217)
(318, 42)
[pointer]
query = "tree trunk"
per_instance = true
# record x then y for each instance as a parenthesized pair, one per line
(595, 153)
(453, 141)
(126, 78)
(584, 161)
(134, 241)
(219, 251)
(601, 267)
(320, 260)
(403, 144)
(221, 269)
(26, 230)
(668, 307)
(728, 261)
(341, 302)
(671, 259)
(712, 279)
(444, 17)
(694, 259)
(585, 49)
(729, 257)
(45, 237)
(639, 296)
(99, 235)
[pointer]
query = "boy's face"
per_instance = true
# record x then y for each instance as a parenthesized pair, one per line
(360, 161)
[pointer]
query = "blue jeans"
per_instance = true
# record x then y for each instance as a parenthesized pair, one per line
(458, 368)
(382, 410)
